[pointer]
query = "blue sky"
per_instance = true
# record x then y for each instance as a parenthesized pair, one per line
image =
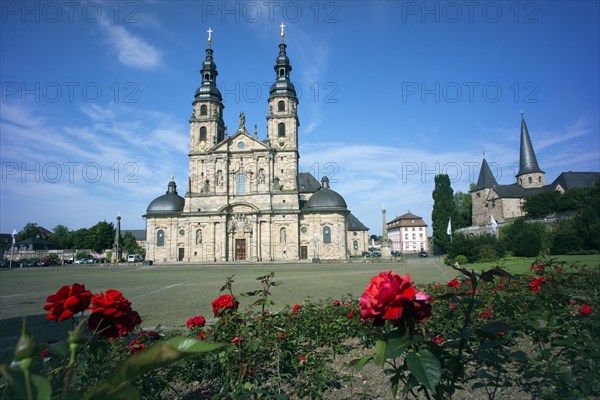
(95, 96)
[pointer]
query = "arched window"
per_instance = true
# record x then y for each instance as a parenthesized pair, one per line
(203, 110)
(356, 245)
(207, 77)
(540, 179)
(530, 180)
(281, 106)
(160, 238)
(281, 72)
(283, 236)
(202, 133)
(281, 129)
(199, 236)
(326, 235)
(241, 184)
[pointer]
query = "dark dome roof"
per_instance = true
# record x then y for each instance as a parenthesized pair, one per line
(169, 203)
(325, 199)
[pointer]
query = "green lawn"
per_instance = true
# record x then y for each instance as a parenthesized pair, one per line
(170, 294)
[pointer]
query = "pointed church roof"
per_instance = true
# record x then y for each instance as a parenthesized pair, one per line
(486, 178)
(528, 162)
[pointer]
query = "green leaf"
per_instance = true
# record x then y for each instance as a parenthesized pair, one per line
(359, 363)
(157, 356)
(59, 349)
(425, 367)
(40, 387)
(277, 283)
(380, 347)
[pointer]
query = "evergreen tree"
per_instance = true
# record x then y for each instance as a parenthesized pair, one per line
(443, 209)
(463, 204)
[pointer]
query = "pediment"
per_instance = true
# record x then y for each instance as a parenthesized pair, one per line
(241, 141)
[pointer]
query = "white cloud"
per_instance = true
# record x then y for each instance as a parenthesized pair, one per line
(131, 50)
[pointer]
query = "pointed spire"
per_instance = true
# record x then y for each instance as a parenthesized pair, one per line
(528, 162)
(486, 178)
(208, 89)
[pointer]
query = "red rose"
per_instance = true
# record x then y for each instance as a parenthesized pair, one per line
(385, 297)
(67, 301)
(112, 315)
(439, 339)
(585, 309)
(536, 283)
(237, 340)
(350, 315)
(225, 303)
(44, 353)
(420, 308)
(336, 303)
(537, 268)
(135, 346)
(487, 313)
(297, 307)
(197, 321)
(202, 335)
(454, 283)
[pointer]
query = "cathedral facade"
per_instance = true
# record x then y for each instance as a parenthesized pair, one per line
(246, 199)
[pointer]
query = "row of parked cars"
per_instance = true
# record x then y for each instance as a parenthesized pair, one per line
(393, 253)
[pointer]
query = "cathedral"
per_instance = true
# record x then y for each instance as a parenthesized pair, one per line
(246, 199)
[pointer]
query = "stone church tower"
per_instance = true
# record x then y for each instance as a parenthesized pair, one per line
(246, 199)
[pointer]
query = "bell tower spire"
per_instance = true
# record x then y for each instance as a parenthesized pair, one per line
(207, 127)
(282, 120)
(530, 175)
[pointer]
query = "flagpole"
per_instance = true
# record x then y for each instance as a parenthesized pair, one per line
(14, 232)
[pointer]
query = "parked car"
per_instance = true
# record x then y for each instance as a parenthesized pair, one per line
(134, 258)
(423, 254)
(376, 254)
(366, 254)
(396, 253)
(30, 263)
(89, 261)
(80, 261)
(44, 263)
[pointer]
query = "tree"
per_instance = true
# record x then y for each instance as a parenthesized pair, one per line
(101, 236)
(79, 239)
(129, 244)
(443, 209)
(525, 239)
(31, 230)
(62, 237)
(463, 204)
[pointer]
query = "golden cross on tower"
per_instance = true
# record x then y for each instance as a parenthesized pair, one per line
(282, 33)
(209, 32)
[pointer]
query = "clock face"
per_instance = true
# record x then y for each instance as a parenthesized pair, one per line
(282, 143)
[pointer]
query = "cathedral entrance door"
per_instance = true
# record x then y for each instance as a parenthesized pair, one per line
(240, 249)
(304, 252)
(181, 254)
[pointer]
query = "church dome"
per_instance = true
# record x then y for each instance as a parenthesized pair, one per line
(325, 200)
(169, 203)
